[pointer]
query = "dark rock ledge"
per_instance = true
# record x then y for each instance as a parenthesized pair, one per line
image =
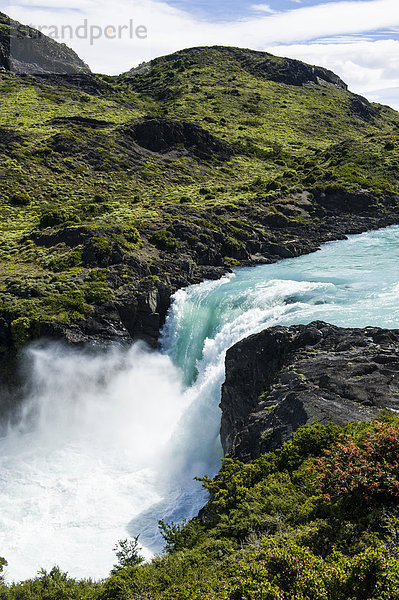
(287, 377)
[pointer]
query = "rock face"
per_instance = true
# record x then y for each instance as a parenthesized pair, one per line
(26, 50)
(163, 135)
(287, 377)
(286, 70)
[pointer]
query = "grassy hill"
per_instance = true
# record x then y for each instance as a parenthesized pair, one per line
(116, 188)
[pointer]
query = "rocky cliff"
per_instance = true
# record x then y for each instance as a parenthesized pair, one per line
(26, 50)
(287, 377)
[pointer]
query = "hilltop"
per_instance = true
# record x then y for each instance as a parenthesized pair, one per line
(116, 191)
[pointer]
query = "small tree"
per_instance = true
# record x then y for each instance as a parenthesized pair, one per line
(179, 536)
(128, 554)
(3, 563)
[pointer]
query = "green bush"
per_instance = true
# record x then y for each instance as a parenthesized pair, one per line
(20, 331)
(55, 217)
(69, 261)
(186, 534)
(102, 245)
(72, 302)
(52, 585)
(288, 572)
(20, 199)
(164, 240)
(97, 292)
(128, 554)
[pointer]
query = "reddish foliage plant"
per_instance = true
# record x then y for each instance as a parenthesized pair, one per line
(367, 468)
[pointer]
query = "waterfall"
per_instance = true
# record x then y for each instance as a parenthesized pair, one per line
(109, 441)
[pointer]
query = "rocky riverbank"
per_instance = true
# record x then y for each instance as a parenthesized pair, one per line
(141, 284)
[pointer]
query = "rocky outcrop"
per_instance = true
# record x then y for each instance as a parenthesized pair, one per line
(143, 282)
(28, 51)
(287, 377)
(361, 107)
(288, 70)
(164, 135)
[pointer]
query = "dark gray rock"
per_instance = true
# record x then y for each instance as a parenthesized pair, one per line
(287, 377)
(164, 135)
(26, 50)
(363, 108)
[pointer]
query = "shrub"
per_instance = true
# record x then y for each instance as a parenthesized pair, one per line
(97, 292)
(3, 563)
(70, 301)
(69, 261)
(306, 442)
(56, 217)
(20, 332)
(164, 240)
(289, 572)
(128, 554)
(52, 585)
(20, 199)
(280, 573)
(365, 469)
(233, 247)
(102, 245)
(186, 534)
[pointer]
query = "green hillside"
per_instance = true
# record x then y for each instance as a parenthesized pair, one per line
(105, 180)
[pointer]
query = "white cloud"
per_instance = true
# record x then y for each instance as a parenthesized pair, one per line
(366, 65)
(388, 96)
(49, 4)
(263, 8)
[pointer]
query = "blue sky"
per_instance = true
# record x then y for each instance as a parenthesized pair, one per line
(358, 39)
(221, 10)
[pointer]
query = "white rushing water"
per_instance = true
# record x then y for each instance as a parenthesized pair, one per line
(108, 443)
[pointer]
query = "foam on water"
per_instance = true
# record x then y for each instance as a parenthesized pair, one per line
(108, 443)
